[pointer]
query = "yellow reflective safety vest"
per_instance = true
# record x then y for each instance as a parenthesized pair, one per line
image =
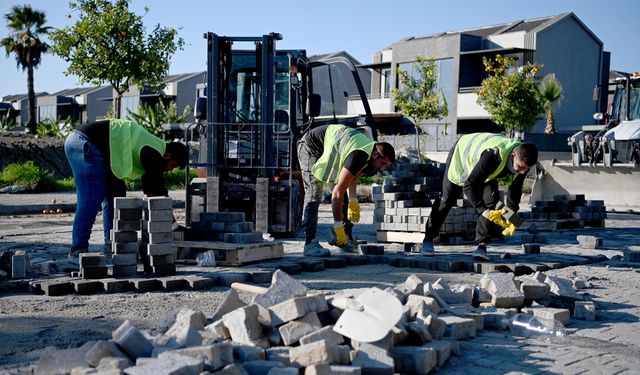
(339, 142)
(126, 140)
(467, 154)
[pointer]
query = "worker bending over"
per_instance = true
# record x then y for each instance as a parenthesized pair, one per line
(101, 155)
(336, 154)
(477, 164)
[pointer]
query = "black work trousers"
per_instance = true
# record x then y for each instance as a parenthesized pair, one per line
(450, 194)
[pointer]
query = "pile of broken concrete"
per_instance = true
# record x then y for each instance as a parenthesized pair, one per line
(412, 328)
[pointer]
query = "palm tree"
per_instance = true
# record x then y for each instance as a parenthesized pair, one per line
(26, 26)
(551, 93)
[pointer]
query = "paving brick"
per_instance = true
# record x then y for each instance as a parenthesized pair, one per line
(225, 217)
(458, 327)
(632, 256)
(283, 287)
(561, 315)
(128, 214)
(260, 367)
(292, 331)
(91, 260)
(126, 225)
(442, 349)
(160, 271)
(54, 361)
(116, 286)
(195, 282)
(414, 359)
(278, 353)
(372, 249)
(160, 237)
(232, 370)
(531, 248)
(310, 354)
(412, 285)
(159, 215)
(373, 360)
(244, 326)
(218, 331)
(562, 287)
(156, 226)
(244, 353)
(124, 259)
(19, 264)
(534, 289)
(217, 355)
(97, 272)
(125, 271)
(296, 308)
(125, 248)
(173, 283)
(57, 288)
(231, 302)
(146, 285)
(103, 349)
(120, 203)
(589, 242)
(585, 310)
(496, 318)
(325, 333)
(132, 342)
(503, 289)
(158, 203)
(418, 331)
(284, 371)
(249, 237)
(260, 276)
(122, 236)
(88, 286)
(228, 278)
(168, 363)
(241, 227)
(113, 363)
(160, 249)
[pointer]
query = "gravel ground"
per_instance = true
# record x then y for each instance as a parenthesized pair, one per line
(29, 323)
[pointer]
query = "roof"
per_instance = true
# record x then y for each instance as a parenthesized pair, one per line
(18, 97)
(180, 77)
(331, 54)
(77, 91)
(532, 25)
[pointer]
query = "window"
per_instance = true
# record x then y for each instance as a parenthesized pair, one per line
(47, 113)
(129, 104)
(444, 69)
(385, 82)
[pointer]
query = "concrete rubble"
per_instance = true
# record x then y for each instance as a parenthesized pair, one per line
(289, 328)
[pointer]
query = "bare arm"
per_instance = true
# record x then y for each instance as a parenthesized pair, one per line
(353, 187)
(345, 182)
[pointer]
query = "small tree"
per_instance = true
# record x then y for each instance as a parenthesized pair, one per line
(418, 96)
(26, 27)
(109, 44)
(551, 93)
(511, 95)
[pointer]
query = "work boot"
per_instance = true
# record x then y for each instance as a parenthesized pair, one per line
(313, 249)
(427, 248)
(480, 253)
(74, 255)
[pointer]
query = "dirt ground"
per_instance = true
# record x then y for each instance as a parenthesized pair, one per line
(29, 323)
(47, 152)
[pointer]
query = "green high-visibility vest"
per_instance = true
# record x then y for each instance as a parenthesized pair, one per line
(467, 154)
(126, 140)
(339, 142)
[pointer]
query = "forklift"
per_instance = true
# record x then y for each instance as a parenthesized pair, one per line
(259, 102)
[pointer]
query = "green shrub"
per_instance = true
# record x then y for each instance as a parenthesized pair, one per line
(67, 184)
(32, 177)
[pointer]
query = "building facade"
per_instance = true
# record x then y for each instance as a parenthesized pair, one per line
(562, 44)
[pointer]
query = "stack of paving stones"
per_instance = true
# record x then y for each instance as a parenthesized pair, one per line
(403, 204)
(156, 248)
(290, 330)
(225, 226)
(93, 266)
(568, 211)
(125, 245)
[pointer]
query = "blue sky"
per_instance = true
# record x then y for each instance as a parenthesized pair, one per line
(357, 26)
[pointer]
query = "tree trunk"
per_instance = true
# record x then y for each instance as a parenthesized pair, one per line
(32, 123)
(117, 103)
(417, 124)
(551, 123)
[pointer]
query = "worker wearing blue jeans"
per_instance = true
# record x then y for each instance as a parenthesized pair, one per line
(101, 155)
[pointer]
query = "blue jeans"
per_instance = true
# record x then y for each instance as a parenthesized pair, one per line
(90, 174)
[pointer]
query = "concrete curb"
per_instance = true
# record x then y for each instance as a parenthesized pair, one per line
(30, 209)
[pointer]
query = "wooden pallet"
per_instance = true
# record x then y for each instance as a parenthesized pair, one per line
(230, 254)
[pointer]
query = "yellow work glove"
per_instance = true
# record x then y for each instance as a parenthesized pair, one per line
(353, 213)
(510, 230)
(495, 216)
(341, 236)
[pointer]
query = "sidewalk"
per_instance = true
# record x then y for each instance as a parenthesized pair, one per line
(25, 204)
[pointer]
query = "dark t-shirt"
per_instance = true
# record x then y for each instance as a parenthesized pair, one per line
(474, 186)
(355, 162)
(152, 162)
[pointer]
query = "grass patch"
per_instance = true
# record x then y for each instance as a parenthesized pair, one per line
(174, 180)
(29, 175)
